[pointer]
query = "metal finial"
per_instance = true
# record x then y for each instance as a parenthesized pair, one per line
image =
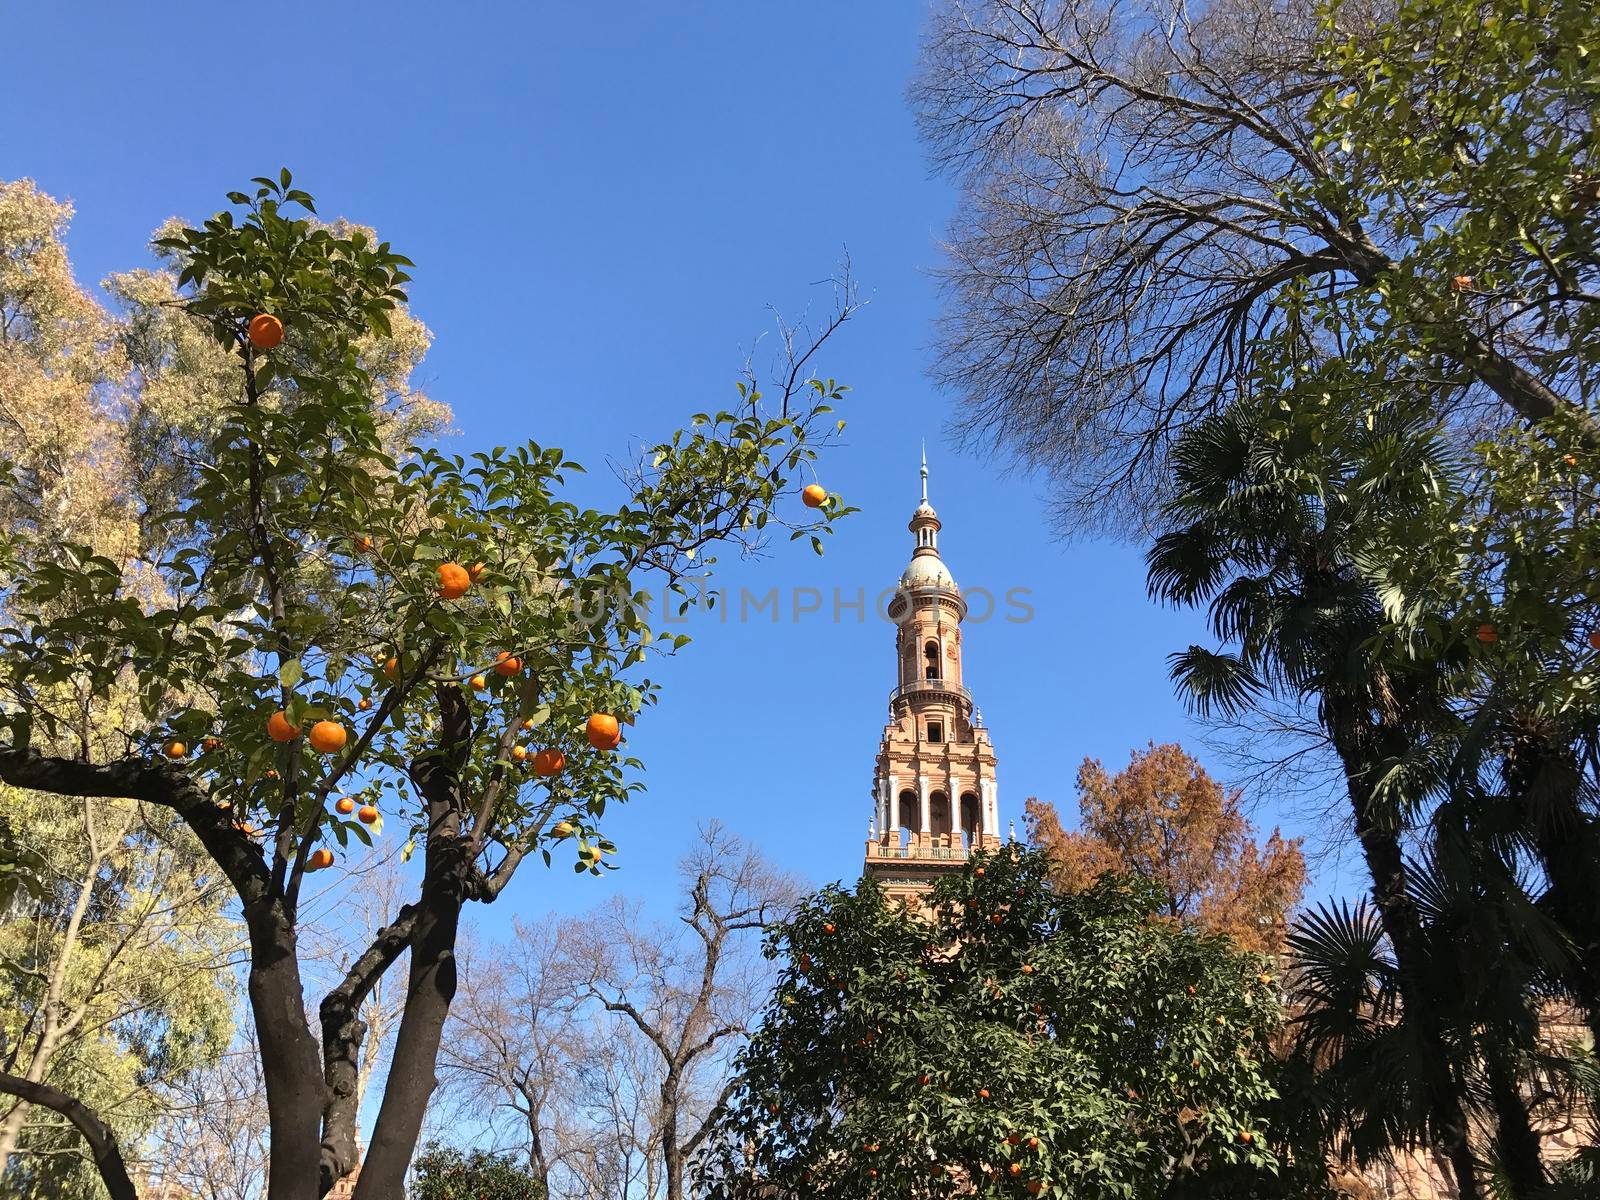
(924, 470)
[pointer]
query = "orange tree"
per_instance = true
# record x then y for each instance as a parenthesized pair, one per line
(306, 664)
(1012, 1041)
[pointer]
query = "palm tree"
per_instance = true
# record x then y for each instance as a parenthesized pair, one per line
(1265, 528)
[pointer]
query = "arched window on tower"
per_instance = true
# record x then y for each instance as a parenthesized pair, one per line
(939, 813)
(971, 818)
(910, 818)
(930, 660)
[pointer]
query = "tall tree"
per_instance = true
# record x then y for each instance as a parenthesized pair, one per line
(1142, 181)
(324, 620)
(1027, 1041)
(1162, 817)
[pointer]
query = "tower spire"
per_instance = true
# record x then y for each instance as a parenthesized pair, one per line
(924, 470)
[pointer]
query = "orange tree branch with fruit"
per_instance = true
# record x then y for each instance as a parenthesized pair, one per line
(1017, 1041)
(355, 642)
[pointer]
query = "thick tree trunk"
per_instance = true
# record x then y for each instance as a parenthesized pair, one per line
(412, 1078)
(290, 1066)
(1517, 1143)
(671, 1153)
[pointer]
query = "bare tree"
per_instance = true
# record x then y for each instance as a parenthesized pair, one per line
(692, 995)
(609, 1038)
(511, 1050)
(1141, 181)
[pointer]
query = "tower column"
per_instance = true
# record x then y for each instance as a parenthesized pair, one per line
(927, 805)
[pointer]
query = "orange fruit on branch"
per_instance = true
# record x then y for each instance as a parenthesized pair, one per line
(603, 731)
(1015, 1168)
(561, 829)
(344, 805)
(549, 762)
(364, 704)
(814, 496)
(1594, 640)
(391, 668)
(478, 682)
(211, 743)
(265, 331)
(507, 664)
(279, 729)
(1461, 283)
(328, 737)
(477, 571)
(175, 749)
(454, 581)
(1488, 633)
(518, 753)
(1027, 968)
(1035, 1186)
(320, 857)
(367, 814)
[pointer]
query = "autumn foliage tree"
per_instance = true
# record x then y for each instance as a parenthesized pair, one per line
(1164, 818)
(1024, 1041)
(312, 575)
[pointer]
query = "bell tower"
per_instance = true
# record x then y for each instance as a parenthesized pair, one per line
(934, 782)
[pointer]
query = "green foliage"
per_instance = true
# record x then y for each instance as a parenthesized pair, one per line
(303, 555)
(900, 1056)
(447, 1174)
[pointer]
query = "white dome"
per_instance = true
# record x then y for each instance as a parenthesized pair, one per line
(927, 570)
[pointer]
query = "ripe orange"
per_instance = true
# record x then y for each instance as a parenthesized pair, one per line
(995, 919)
(1191, 989)
(1461, 283)
(814, 496)
(328, 737)
(367, 814)
(1033, 1143)
(506, 664)
(603, 731)
(518, 753)
(1035, 1186)
(1027, 968)
(1488, 633)
(979, 872)
(365, 704)
(1594, 640)
(478, 682)
(279, 729)
(872, 1172)
(453, 581)
(1570, 459)
(528, 724)
(477, 571)
(1246, 1136)
(272, 773)
(344, 805)
(549, 762)
(320, 857)
(828, 928)
(391, 668)
(561, 829)
(175, 749)
(265, 331)
(983, 1093)
(210, 743)
(1015, 1168)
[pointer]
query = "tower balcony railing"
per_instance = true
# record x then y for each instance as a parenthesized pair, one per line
(924, 687)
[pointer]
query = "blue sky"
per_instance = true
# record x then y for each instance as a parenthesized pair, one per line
(602, 202)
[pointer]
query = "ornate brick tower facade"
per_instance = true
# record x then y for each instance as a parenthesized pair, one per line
(934, 783)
